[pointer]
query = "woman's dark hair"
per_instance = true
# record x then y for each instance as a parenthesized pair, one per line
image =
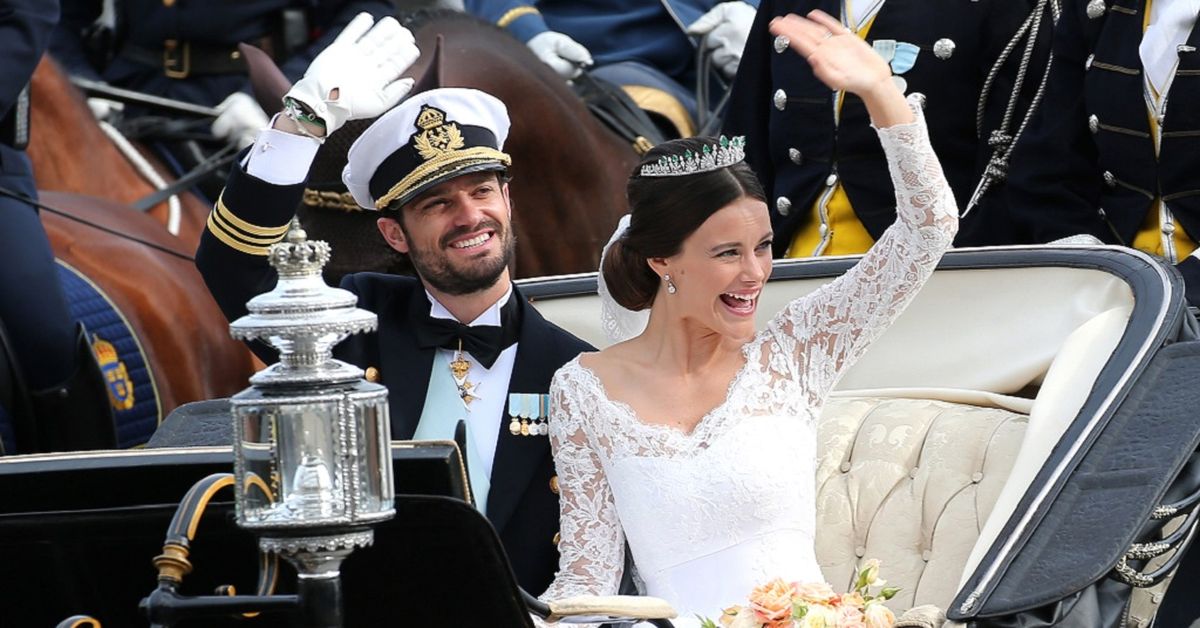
(664, 212)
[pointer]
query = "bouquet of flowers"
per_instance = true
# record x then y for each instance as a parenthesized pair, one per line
(780, 604)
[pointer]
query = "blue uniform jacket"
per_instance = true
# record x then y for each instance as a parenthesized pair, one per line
(1087, 164)
(523, 501)
(786, 113)
(214, 23)
(612, 30)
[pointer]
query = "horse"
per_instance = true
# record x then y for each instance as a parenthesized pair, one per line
(568, 170)
(70, 152)
(150, 279)
(147, 274)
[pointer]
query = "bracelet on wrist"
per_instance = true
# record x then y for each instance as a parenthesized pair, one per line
(299, 113)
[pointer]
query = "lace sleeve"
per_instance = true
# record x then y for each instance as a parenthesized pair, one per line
(592, 545)
(829, 329)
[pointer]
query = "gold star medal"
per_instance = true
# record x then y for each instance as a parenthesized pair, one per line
(459, 369)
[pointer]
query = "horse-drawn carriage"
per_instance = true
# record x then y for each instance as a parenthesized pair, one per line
(1017, 450)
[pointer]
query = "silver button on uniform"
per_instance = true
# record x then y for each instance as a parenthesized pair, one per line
(1087, 65)
(1095, 9)
(783, 205)
(1109, 179)
(1093, 123)
(831, 180)
(780, 44)
(780, 99)
(943, 48)
(1168, 228)
(795, 156)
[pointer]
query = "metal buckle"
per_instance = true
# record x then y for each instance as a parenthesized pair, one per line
(177, 59)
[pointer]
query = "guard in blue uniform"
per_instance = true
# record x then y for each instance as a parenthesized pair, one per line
(649, 48)
(821, 163)
(1105, 155)
(52, 395)
(457, 342)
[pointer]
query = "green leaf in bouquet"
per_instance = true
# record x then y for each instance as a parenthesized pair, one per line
(889, 592)
(799, 610)
(706, 622)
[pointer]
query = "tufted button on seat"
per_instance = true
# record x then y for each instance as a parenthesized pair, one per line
(860, 551)
(977, 477)
(926, 555)
(913, 472)
(845, 467)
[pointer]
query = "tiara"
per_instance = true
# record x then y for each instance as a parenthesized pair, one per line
(727, 152)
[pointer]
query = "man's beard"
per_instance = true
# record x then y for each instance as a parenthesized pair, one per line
(435, 269)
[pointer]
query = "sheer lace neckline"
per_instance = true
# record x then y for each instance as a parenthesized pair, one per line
(702, 426)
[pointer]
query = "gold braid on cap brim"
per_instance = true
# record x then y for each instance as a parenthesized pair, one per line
(439, 167)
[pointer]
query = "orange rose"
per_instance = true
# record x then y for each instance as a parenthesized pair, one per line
(849, 616)
(816, 593)
(879, 616)
(772, 602)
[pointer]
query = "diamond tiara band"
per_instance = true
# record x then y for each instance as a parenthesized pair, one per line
(727, 152)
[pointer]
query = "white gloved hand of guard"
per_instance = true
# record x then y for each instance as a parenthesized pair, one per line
(103, 108)
(358, 75)
(240, 121)
(727, 25)
(564, 55)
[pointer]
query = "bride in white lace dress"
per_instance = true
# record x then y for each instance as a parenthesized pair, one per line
(694, 441)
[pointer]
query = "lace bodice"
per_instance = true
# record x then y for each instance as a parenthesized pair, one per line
(711, 513)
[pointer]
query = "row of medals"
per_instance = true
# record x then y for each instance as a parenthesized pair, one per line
(519, 426)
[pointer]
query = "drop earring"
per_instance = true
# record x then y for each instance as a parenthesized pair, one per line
(670, 284)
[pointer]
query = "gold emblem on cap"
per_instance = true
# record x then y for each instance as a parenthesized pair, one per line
(438, 136)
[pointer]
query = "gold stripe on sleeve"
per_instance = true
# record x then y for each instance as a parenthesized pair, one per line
(513, 14)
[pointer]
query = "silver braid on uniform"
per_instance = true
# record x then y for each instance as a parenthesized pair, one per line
(1001, 140)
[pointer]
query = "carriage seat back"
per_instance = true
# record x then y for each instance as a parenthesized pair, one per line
(909, 481)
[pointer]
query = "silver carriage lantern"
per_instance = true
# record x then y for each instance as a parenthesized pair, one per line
(311, 436)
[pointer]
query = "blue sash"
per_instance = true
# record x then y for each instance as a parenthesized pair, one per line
(443, 410)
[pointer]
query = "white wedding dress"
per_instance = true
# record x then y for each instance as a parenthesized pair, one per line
(711, 514)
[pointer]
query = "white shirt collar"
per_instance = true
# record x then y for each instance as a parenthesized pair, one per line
(1170, 25)
(490, 316)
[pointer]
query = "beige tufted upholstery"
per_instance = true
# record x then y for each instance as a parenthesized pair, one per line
(910, 482)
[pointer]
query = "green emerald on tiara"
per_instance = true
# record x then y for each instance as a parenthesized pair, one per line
(728, 151)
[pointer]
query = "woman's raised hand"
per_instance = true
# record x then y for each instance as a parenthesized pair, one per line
(844, 62)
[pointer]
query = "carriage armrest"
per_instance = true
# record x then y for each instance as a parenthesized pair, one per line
(608, 608)
(924, 616)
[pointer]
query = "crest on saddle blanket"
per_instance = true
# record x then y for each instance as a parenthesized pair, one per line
(120, 386)
(131, 388)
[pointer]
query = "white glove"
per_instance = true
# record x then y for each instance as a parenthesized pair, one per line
(103, 108)
(240, 121)
(564, 55)
(727, 25)
(358, 75)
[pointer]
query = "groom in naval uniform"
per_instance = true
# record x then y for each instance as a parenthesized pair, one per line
(434, 170)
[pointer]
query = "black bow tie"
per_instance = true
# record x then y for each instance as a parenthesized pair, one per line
(483, 342)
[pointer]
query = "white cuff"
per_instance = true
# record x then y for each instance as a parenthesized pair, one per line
(281, 158)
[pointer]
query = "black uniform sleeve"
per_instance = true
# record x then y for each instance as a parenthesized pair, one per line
(25, 27)
(248, 217)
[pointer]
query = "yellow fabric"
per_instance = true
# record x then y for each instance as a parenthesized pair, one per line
(664, 104)
(847, 235)
(514, 13)
(1149, 236)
